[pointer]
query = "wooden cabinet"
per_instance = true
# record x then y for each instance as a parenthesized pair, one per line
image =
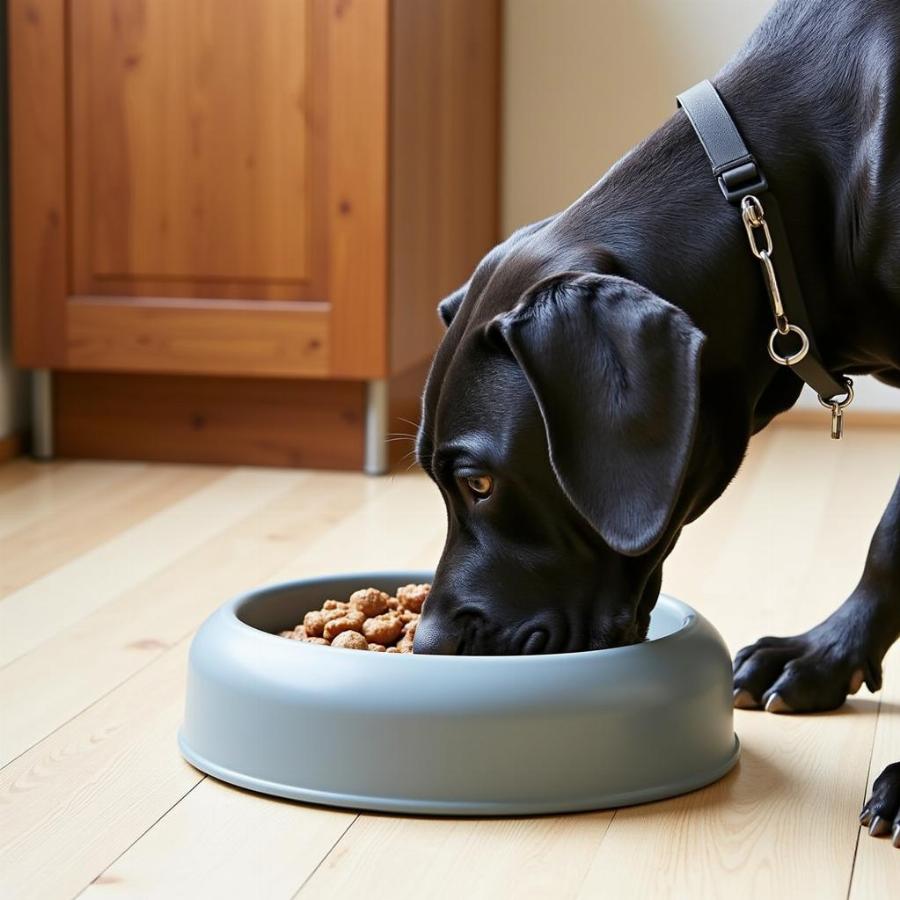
(223, 205)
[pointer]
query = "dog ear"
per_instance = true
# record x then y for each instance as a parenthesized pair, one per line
(449, 306)
(615, 370)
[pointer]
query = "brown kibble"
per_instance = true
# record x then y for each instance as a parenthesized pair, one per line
(383, 629)
(314, 623)
(369, 601)
(412, 596)
(369, 620)
(350, 640)
(351, 621)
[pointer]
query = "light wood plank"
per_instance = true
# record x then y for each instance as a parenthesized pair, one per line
(34, 493)
(788, 560)
(46, 606)
(779, 551)
(81, 797)
(109, 645)
(399, 525)
(203, 839)
(488, 858)
(74, 530)
(741, 835)
(481, 858)
(876, 872)
(22, 470)
(45, 830)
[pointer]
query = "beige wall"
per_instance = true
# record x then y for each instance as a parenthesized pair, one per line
(585, 80)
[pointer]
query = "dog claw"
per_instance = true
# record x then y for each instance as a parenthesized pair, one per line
(864, 818)
(776, 705)
(879, 827)
(743, 699)
(895, 838)
(856, 680)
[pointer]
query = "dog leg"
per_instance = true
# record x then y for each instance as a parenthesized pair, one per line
(816, 671)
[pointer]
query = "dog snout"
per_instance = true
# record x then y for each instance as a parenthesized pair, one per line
(436, 638)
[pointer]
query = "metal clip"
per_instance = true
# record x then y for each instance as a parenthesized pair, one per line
(837, 410)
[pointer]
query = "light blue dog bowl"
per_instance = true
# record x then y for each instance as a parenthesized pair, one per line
(448, 735)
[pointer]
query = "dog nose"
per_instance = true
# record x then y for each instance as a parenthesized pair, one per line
(434, 638)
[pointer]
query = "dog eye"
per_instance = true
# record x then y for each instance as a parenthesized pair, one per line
(480, 485)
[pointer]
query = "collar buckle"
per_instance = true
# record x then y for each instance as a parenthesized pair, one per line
(742, 178)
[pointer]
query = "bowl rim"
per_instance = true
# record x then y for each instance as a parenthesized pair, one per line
(691, 620)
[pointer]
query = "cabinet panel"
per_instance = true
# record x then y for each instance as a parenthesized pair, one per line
(174, 156)
(191, 146)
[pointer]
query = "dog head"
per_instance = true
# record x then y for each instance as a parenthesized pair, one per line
(559, 421)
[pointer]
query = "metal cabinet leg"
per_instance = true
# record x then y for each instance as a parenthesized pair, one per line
(376, 455)
(42, 414)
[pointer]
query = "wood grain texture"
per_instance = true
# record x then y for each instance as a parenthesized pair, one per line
(393, 513)
(22, 471)
(114, 770)
(444, 189)
(191, 148)
(102, 796)
(876, 872)
(242, 541)
(197, 338)
(37, 547)
(36, 491)
(358, 85)
(286, 845)
(269, 422)
(10, 447)
(64, 595)
(38, 181)
(218, 155)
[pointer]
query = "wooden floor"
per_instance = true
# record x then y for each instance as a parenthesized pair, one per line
(107, 569)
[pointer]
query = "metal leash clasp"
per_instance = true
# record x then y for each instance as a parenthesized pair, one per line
(754, 219)
(837, 409)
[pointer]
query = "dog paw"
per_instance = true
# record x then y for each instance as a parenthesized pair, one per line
(881, 814)
(810, 672)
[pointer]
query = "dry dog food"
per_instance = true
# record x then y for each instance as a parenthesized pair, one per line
(368, 620)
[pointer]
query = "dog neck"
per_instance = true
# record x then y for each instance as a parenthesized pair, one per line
(812, 95)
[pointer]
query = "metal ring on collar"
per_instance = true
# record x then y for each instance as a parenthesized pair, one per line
(830, 402)
(793, 358)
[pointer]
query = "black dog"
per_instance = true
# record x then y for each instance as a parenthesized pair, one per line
(575, 420)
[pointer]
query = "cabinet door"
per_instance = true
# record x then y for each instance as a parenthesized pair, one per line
(199, 185)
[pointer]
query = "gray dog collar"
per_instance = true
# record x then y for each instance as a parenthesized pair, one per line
(743, 184)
